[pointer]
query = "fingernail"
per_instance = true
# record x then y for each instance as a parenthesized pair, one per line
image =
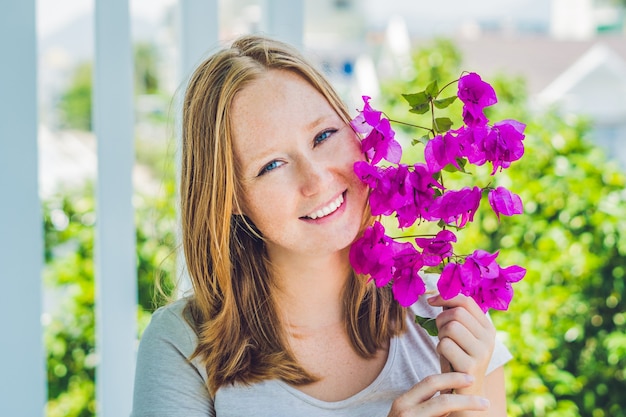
(432, 299)
(485, 402)
(469, 378)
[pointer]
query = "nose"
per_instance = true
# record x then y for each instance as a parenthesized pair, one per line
(313, 176)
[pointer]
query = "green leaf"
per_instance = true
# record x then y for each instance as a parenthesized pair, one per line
(442, 124)
(428, 324)
(416, 99)
(419, 102)
(423, 139)
(421, 109)
(450, 168)
(461, 163)
(432, 90)
(444, 102)
(433, 269)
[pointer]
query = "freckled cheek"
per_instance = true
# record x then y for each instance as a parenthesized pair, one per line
(352, 156)
(263, 204)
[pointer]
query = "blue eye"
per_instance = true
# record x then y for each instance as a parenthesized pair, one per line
(323, 136)
(270, 167)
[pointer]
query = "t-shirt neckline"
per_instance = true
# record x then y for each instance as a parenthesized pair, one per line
(393, 343)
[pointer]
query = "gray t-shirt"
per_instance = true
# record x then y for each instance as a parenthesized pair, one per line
(168, 385)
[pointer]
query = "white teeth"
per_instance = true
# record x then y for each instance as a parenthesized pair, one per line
(325, 211)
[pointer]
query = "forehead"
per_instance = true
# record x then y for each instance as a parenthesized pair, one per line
(275, 91)
(272, 106)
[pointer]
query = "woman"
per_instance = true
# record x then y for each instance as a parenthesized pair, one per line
(278, 323)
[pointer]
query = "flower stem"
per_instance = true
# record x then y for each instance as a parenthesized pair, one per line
(410, 124)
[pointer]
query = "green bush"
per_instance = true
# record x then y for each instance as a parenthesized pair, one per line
(69, 280)
(566, 325)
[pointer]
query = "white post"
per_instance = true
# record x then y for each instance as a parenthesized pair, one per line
(198, 31)
(116, 276)
(22, 365)
(284, 20)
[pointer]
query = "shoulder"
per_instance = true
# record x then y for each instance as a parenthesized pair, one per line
(167, 382)
(168, 325)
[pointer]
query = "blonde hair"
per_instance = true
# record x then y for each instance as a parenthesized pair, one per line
(239, 334)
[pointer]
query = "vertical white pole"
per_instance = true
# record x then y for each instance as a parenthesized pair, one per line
(199, 32)
(285, 20)
(116, 277)
(198, 35)
(22, 366)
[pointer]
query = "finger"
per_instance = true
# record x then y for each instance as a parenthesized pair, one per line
(465, 352)
(449, 403)
(459, 359)
(464, 310)
(460, 301)
(459, 326)
(459, 320)
(431, 385)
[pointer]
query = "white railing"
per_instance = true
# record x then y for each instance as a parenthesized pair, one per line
(115, 273)
(22, 371)
(22, 360)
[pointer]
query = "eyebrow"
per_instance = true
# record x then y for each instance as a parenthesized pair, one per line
(314, 123)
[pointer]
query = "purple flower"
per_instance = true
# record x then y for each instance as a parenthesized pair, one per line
(409, 193)
(373, 253)
(479, 265)
(391, 191)
(441, 151)
(368, 174)
(385, 259)
(475, 95)
(365, 121)
(497, 292)
(451, 282)
(379, 141)
(422, 194)
(503, 201)
(457, 207)
(481, 278)
(407, 283)
(435, 249)
(503, 144)
(472, 143)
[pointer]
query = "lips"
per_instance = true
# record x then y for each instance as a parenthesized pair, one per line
(325, 211)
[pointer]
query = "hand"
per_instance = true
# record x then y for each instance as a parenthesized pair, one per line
(466, 339)
(421, 401)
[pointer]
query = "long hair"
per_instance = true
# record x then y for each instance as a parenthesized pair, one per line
(240, 338)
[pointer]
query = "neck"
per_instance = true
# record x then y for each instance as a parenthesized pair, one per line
(310, 290)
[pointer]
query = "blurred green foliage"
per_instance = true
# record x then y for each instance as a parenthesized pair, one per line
(75, 106)
(566, 326)
(69, 280)
(75, 102)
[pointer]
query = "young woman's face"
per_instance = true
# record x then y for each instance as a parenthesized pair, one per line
(296, 157)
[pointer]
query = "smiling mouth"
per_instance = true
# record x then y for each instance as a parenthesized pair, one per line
(325, 211)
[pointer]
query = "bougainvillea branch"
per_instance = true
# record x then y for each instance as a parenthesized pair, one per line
(416, 193)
